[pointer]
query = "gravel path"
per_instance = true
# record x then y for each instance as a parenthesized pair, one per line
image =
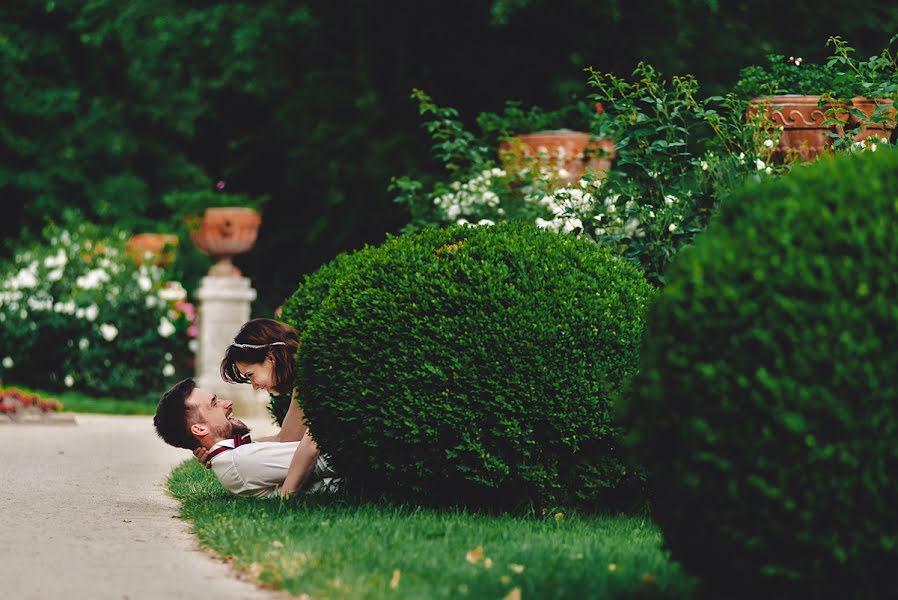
(84, 515)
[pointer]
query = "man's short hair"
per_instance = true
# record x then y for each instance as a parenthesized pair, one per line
(172, 416)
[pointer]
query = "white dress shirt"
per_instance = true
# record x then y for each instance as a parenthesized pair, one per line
(258, 469)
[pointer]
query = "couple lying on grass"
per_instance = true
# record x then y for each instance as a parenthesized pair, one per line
(196, 419)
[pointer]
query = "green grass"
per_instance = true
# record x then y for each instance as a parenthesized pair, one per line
(334, 548)
(80, 403)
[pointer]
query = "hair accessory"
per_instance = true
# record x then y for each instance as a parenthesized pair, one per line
(258, 346)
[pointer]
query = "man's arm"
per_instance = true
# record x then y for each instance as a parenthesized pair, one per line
(301, 465)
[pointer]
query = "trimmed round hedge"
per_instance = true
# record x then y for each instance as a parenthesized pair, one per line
(474, 365)
(766, 407)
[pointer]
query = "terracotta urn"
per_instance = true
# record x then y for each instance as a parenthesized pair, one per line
(804, 135)
(224, 232)
(573, 153)
(155, 248)
(875, 130)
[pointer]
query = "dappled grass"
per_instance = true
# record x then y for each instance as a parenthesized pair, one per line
(81, 403)
(334, 548)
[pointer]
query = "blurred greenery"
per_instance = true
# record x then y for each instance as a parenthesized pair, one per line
(108, 105)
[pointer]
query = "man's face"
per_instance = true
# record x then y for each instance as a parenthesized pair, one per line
(213, 412)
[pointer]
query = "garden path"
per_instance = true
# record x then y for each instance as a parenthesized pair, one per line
(85, 515)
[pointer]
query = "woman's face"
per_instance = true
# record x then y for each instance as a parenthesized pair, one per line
(261, 375)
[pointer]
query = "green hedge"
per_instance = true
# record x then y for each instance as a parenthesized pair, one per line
(304, 302)
(766, 408)
(474, 365)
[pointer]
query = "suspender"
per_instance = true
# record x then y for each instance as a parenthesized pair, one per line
(239, 440)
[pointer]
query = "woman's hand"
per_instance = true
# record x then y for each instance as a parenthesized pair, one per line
(200, 454)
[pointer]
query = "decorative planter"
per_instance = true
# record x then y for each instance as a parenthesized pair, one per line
(225, 232)
(876, 130)
(574, 152)
(157, 248)
(804, 135)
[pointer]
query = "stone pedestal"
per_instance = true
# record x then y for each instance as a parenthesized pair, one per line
(224, 304)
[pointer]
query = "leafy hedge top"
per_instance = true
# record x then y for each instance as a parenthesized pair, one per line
(468, 363)
(766, 401)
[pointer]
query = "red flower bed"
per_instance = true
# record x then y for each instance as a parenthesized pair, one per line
(16, 403)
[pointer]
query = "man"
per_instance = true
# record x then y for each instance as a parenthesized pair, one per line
(192, 418)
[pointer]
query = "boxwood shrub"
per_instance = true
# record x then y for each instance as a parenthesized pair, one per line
(302, 304)
(766, 408)
(475, 366)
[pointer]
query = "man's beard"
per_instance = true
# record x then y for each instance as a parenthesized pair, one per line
(238, 427)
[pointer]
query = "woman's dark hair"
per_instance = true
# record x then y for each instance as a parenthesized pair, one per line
(253, 342)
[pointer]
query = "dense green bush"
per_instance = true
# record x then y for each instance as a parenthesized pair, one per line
(304, 302)
(77, 312)
(766, 407)
(477, 365)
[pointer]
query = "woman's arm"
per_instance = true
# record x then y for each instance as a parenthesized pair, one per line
(301, 465)
(293, 428)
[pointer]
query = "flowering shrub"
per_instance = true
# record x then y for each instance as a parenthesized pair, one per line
(76, 312)
(480, 189)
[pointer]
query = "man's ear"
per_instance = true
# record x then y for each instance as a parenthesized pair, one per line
(270, 356)
(199, 430)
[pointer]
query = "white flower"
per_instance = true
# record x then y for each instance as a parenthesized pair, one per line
(572, 224)
(704, 165)
(741, 157)
(167, 356)
(92, 279)
(760, 164)
(193, 345)
(108, 331)
(768, 170)
(24, 279)
(485, 222)
(672, 227)
(884, 140)
(144, 282)
(768, 143)
(8, 362)
(168, 370)
(872, 147)
(23, 314)
(631, 226)
(165, 327)
(55, 275)
(91, 312)
(669, 200)
(79, 313)
(652, 214)
(83, 343)
(69, 381)
(564, 173)
(172, 292)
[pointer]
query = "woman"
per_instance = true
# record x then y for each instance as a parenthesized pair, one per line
(262, 355)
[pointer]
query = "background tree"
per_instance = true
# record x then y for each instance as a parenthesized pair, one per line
(106, 105)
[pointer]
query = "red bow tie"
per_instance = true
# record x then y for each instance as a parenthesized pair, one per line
(239, 440)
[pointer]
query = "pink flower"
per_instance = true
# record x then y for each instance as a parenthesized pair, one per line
(278, 311)
(192, 331)
(220, 185)
(186, 308)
